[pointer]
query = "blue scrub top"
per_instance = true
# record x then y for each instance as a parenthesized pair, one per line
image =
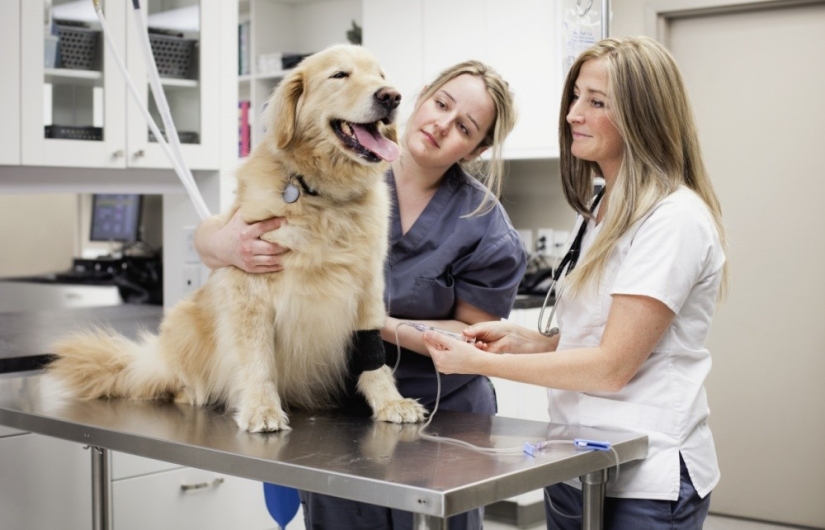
(445, 257)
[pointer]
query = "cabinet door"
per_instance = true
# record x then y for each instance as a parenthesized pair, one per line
(79, 100)
(520, 400)
(46, 483)
(186, 43)
(519, 38)
(454, 31)
(126, 466)
(523, 45)
(10, 87)
(189, 499)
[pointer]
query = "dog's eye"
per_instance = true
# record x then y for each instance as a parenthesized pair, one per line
(339, 75)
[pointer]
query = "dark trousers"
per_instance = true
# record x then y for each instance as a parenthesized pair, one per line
(688, 512)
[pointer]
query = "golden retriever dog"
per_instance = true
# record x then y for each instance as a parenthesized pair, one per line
(261, 342)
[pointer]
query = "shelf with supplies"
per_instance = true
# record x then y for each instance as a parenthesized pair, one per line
(273, 36)
(74, 104)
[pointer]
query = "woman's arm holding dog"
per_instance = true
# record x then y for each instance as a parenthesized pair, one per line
(411, 339)
(220, 243)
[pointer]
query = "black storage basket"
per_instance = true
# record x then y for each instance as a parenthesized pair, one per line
(69, 132)
(184, 137)
(79, 47)
(173, 55)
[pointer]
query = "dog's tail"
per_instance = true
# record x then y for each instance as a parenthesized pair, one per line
(102, 363)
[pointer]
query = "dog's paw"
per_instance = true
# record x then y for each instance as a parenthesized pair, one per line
(401, 411)
(263, 418)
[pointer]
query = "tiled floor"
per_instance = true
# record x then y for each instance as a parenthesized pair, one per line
(712, 523)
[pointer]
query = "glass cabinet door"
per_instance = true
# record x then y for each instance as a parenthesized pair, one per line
(76, 110)
(182, 35)
(69, 81)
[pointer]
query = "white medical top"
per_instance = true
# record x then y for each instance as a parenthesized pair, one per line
(674, 255)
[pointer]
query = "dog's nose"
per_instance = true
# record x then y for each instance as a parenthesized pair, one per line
(388, 98)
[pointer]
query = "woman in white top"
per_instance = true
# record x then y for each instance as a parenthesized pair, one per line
(635, 313)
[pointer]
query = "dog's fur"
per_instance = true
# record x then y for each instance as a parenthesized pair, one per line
(257, 342)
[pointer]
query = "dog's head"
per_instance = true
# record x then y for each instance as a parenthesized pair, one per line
(336, 105)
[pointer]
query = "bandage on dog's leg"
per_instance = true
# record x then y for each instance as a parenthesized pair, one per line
(376, 383)
(368, 350)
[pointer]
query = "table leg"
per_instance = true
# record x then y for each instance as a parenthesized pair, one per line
(101, 489)
(594, 486)
(429, 522)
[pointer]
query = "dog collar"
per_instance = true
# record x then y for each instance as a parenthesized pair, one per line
(292, 193)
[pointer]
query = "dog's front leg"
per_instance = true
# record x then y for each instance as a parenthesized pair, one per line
(258, 405)
(377, 384)
(378, 387)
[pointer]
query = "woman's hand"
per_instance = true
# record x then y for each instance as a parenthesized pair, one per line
(239, 244)
(506, 337)
(452, 356)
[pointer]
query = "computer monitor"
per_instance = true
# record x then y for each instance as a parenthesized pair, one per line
(115, 218)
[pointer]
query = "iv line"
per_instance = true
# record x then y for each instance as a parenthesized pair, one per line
(178, 164)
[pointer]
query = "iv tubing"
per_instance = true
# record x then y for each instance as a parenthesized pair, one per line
(157, 89)
(188, 183)
(439, 439)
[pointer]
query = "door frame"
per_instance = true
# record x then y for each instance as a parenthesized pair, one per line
(659, 13)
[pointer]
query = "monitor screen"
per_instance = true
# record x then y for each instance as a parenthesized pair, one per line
(115, 218)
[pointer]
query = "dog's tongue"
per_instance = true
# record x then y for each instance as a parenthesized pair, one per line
(376, 143)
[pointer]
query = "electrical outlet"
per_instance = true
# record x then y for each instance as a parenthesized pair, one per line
(191, 278)
(526, 236)
(544, 241)
(560, 243)
(191, 255)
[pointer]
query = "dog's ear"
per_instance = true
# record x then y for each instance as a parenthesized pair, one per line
(283, 112)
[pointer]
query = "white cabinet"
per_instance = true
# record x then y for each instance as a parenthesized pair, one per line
(189, 498)
(77, 112)
(193, 97)
(44, 483)
(10, 86)
(520, 400)
(276, 27)
(47, 483)
(519, 38)
(524, 46)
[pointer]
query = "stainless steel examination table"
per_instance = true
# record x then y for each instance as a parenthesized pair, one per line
(331, 453)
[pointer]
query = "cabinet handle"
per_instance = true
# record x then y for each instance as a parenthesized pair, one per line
(217, 481)
(118, 153)
(139, 153)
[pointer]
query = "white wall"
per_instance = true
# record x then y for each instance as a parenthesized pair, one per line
(37, 233)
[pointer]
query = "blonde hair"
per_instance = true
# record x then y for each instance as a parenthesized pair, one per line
(650, 108)
(492, 176)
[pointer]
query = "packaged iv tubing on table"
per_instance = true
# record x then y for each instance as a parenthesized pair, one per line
(174, 153)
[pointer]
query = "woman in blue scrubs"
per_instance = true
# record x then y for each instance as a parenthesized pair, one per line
(454, 257)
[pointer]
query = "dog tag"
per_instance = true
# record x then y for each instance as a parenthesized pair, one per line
(291, 193)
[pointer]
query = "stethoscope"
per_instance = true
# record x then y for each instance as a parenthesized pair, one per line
(568, 263)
